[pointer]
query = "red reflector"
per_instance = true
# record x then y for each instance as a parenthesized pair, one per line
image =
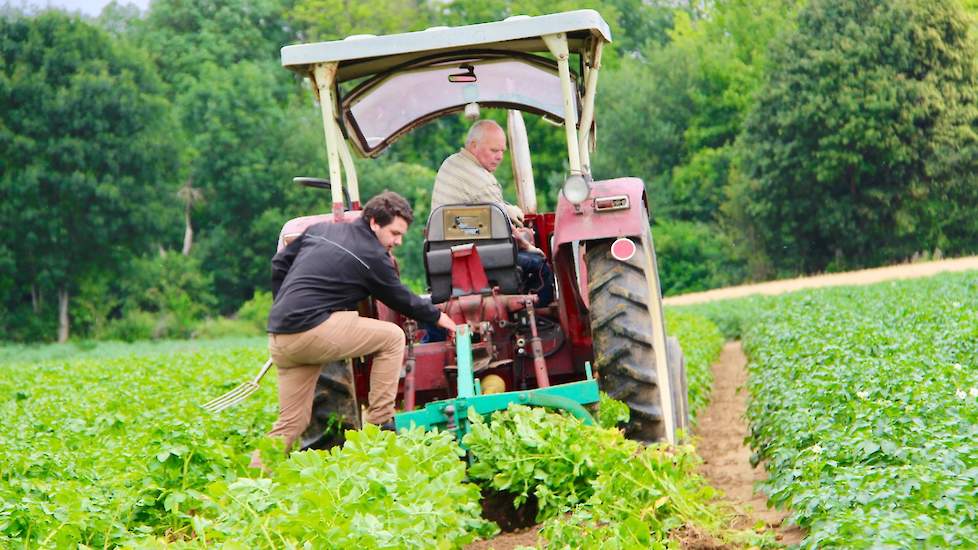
(623, 249)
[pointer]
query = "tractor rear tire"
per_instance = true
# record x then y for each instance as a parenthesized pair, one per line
(622, 334)
(680, 388)
(334, 407)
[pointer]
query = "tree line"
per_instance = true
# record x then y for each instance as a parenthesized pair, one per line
(147, 157)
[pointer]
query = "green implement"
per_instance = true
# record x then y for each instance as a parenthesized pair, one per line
(453, 414)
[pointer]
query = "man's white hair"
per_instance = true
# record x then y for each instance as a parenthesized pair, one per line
(478, 130)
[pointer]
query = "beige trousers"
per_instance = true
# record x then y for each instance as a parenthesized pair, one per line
(299, 358)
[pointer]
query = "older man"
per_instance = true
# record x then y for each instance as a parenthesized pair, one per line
(466, 177)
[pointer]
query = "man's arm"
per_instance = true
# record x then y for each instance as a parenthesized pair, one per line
(282, 262)
(515, 214)
(385, 285)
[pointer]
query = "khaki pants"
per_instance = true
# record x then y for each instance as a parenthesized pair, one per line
(299, 358)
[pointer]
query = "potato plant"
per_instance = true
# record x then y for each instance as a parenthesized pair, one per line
(596, 489)
(101, 448)
(106, 446)
(864, 407)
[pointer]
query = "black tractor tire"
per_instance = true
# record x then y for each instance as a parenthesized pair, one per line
(334, 407)
(680, 389)
(622, 334)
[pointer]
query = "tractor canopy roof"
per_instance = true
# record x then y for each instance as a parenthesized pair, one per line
(397, 82)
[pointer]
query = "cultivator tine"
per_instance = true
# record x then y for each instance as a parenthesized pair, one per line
(238, 394)
(231, 398)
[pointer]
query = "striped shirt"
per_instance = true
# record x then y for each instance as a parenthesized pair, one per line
(462, 180)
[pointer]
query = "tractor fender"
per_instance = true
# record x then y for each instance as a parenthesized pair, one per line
(296, 226)
(586, 223)
(590, 224)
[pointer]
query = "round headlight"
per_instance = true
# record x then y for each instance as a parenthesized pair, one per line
(576, 189)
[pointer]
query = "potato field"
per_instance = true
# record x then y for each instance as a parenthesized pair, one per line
(108, 447)
(864, 408)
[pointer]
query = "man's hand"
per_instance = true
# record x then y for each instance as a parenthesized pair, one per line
(446, 323)
(524, 240)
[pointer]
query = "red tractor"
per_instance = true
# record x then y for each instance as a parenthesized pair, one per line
(608, 307)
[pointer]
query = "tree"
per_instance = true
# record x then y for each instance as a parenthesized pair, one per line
(246, 127)
(672, 114)
(190, 195)
(862, 140)
(84, 143)
(186, 37)
(246, 151)
(337, 19)
(693, 256)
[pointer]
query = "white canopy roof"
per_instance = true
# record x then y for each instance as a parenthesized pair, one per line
(363, 55)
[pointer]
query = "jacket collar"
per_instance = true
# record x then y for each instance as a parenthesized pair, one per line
(471, 158)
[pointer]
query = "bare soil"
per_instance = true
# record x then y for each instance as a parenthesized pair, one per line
(862, 277)
(720, 433)
(508, 541)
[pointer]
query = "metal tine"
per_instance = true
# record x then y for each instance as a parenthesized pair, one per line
(238, 394)
(230, 398)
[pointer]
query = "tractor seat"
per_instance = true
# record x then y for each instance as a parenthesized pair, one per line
(487, 227)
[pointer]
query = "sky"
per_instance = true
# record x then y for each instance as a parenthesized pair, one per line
(87, 7)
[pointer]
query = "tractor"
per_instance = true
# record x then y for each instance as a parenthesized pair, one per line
(604, 330)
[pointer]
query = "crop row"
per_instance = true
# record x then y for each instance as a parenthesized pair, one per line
(864, 407)
(108, 446)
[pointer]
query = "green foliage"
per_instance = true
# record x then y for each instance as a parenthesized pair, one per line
(527, 450)
(187, 38)
(619, 494)
(701, 342)
(255, 311)
(246, 129)
(112, 449)
(638, 137)
(86, 191)
(611, 412)
(173, 287)
(694, 256)
(111, 444)
(237, 127)
(847, 155)
(863, 407)
(641, 23)
(223, 327)
(733, 316)
(337, 19)
(133, 326)
(644, 499)
(136, 462)
(24, 324)
(377, 491)
(703, 80)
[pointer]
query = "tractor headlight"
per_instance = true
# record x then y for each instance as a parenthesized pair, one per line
(576, 189)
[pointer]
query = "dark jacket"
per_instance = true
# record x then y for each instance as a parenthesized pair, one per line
(331, 267)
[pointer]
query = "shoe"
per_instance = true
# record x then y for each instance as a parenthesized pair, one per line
(388, 426)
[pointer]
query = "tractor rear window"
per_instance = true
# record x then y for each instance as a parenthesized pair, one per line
(383, 108)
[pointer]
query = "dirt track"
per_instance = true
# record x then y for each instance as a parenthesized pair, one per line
(720, 437)
(864, 277)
